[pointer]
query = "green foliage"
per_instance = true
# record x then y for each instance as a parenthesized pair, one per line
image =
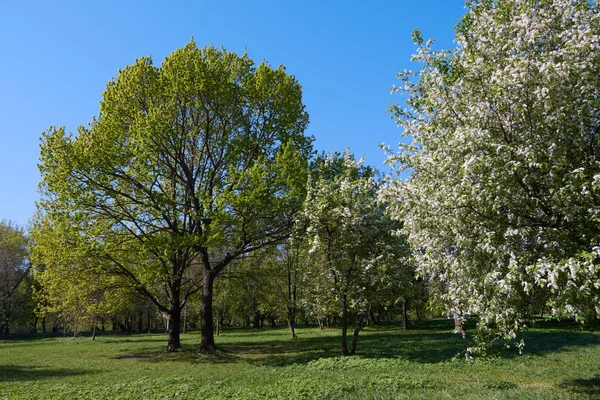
(186, 167)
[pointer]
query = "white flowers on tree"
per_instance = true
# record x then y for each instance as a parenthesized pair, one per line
(502, 201)
(351, 241)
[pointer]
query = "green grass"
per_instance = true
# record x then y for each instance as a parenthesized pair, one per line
(559, 362)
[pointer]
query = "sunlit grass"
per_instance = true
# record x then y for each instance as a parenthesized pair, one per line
(559, 362)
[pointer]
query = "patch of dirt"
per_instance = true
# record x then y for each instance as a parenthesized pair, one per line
(137, 356)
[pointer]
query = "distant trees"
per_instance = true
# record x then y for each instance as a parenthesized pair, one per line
(187, 167)
(502, 201)
(15, 282)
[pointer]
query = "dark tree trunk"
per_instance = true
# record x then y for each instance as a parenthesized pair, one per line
(359, 324)
(174, 323)
(34, 325)
(256, 322)
(174, 317)
(207, 343)
(140, 322)
(44, 324)
(419, 317)
(405, 320)
(344, 325)
(149, 321)
(123, 326)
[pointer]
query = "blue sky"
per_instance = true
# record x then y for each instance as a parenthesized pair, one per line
(57, 56)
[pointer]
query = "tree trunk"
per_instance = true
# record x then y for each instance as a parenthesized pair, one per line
(292, 325)
(44, 324)
(207, 343)
(256, 323)
(140, 322)
(184, 319)
(94, 323)
(174, 324)
(344, 325)
(359, 324)
(405, 320)
(5, 328)
(149, 321)
(174, 318)
(458, 327)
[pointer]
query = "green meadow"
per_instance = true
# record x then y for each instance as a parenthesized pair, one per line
(560, 361)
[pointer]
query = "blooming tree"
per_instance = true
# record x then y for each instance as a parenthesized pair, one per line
(351, 240)
(503, 157)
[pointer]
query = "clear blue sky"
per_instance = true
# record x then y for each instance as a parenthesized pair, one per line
(57, 56)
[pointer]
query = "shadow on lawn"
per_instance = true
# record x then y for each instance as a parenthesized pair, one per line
(589, 387)
(9, 373)
(430, 342)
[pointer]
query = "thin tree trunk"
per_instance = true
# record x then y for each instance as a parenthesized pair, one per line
(458, 327)
(405, 320)
(344, 325)
(292, 325)
(94, 323)
(207, 343)
(359, 324)
(140, 322)
(184, 318)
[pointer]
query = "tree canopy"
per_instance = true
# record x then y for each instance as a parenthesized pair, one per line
(186, 167)
(502, 201)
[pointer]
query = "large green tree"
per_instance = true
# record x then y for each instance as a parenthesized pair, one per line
(186, 167)
(503, 157)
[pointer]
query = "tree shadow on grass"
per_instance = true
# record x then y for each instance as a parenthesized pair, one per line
(431, 342)
(589, 387)
(10, 373)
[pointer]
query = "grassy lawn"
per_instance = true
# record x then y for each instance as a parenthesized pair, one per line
(559, 362)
